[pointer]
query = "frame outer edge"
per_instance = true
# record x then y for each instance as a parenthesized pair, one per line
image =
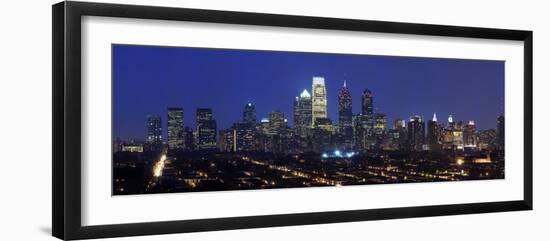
(58, 79)
(66, 136)
(528, 120)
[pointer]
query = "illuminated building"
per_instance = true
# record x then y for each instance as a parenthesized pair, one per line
(394, 140)
(380, 128)
(175, 128)
(306, 113)
(249, 114)
(367, 106)
(400, 133)
(319, 99)
(227, 140)
(500, 133)
(399, 124)
(277, 122)
(322, 135)
(324, 123)
(296, 114)
(303, 113)
(206, 129)
(132, 148)
(458, 136)
(345, 117)
(380, 123)
(470, 137)
(189, 139)
(453, 135)
(276, 138)
(243, 137)
(362, 133)
(154, 133)
(367, 111)
(433, 134)
(416, 133)
(264, 126)
(486, 138)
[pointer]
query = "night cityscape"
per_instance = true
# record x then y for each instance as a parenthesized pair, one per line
(313, 139)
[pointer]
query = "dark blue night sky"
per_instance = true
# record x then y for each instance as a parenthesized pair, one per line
(148, 79)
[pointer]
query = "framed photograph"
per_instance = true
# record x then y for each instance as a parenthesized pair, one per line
(169, 120)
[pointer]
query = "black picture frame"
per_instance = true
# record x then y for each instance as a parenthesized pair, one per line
(66, 47)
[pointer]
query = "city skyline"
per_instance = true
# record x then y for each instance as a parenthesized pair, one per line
(229, 109)
(240, 119)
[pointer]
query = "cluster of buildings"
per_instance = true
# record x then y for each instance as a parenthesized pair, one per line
(313, 131)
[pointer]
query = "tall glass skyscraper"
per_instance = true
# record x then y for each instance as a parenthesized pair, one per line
(276, 122)
(302, 113)
(367, 111)
(416, 133)
(319, 100)
(175, 128)
(249, 114)
(154, 133)
(206, 129)
(345, 116)
(470, 137)
(433, 133)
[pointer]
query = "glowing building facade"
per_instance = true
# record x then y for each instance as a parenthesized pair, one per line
(206, 129)
(470, 137)
(368, 121)
(154, 133)
(416, 133)
(433, 134)
(345, 117)
(249, 114)
(319, 99)
(175, 128)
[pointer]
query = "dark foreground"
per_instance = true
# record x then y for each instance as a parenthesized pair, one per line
(141, 173)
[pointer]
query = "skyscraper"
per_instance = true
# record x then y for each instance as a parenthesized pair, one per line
(367, 111)
(154, 133)
(500, 133)
(206, 129)
(380, 129)
(361, 139)
(319, 100)
(345, 116)
(296, 114)
(367, 105)
(189, 139)
(380, 123)
(433, 133)
(227, 140)
(276, 122)
(399, 124)
(470, 137)
(344, 107)
(400, 133)
(302, 113)
(243, 137)
(416, 133)
(249, 114)
(175, 128)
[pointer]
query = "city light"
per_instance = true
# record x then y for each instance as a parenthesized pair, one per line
(459, 161)
(159, 166)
